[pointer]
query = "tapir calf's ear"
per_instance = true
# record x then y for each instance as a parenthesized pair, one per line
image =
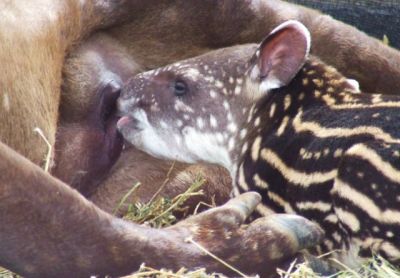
(280, 56)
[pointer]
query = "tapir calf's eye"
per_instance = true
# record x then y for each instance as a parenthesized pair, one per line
(180, 88)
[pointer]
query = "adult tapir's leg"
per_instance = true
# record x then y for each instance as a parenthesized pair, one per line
(49, 230)
(180, 29)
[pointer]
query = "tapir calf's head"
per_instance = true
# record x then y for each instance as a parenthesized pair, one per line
(197, 109)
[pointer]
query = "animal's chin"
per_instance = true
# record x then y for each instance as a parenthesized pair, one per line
(129, 129)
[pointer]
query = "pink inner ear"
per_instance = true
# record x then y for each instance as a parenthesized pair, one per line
(283, 53)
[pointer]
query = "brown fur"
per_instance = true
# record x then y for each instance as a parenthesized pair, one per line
(42, 31)
(35, 37)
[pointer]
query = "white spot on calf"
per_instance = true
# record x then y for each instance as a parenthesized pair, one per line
(193, 74)
(182, 107)
(255, 148)
(213, 121)
(245, 147)
(200, 123)
(220, 137)
(283, 126)
(163, 124)
(272, 110)
(243, 133)
(337, 237)
(287, 102)
(209, 78)
(229, 117)
(155, 107)
(226, 104)
(232, 127)
(238, 90)
(219, 84)
(231, 144)
(241, 180)
(179, 123)
(213, 94)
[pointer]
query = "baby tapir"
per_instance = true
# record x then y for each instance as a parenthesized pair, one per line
(286, 125)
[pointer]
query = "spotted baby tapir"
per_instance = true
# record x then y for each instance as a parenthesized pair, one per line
(286, 125)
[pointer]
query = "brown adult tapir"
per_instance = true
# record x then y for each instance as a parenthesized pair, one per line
(36, 37)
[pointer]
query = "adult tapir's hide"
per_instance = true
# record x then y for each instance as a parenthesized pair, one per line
(37, 35)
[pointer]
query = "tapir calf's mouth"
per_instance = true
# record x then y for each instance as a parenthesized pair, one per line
(128, 122)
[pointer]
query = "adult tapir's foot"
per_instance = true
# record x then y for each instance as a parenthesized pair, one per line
(256, 248)
(48, 229)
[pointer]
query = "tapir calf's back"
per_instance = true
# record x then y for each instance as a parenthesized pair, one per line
(332, 156)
